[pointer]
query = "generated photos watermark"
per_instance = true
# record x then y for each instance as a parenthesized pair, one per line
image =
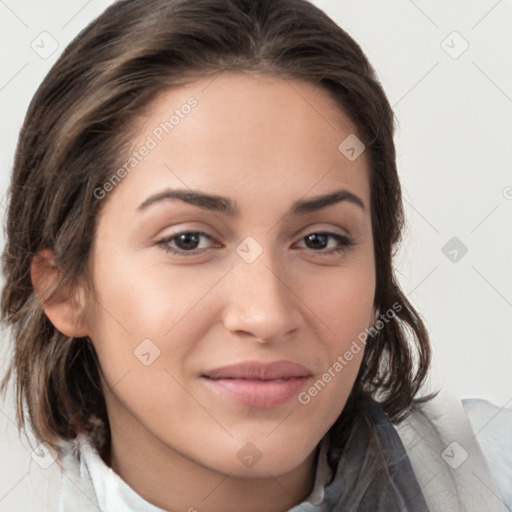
(152, 140)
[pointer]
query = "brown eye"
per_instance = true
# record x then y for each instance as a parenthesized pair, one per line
(183, 243)
(187, 241)
(319, 242)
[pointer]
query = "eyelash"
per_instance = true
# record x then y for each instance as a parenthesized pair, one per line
(344, 241)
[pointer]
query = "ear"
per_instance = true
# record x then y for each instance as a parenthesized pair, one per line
(63, 307)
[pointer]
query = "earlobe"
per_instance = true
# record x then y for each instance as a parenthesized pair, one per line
(60, 305)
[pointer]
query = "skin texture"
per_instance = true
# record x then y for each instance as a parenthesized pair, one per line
(263, 142)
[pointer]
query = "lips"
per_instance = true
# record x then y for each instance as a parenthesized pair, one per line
(258, 385)
(260, 371)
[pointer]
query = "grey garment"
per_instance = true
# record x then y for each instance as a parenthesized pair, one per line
(372, 471)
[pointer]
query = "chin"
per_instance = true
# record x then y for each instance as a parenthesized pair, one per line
(262, 457)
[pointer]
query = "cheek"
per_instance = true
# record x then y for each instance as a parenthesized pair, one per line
(343, 302)
(145, 299)
(343, 308)
(146, 324)
(348, 305)
(149, 324)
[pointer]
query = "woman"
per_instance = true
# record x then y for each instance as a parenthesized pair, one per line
(203, 211)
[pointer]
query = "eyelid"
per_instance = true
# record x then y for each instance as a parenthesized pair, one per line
(177, 230)
(321, 227)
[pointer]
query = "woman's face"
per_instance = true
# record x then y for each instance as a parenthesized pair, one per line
(251, 267)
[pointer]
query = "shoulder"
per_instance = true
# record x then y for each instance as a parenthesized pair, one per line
(492, 428)
(456, 465)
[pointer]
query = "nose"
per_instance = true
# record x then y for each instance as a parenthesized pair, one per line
(261, 303)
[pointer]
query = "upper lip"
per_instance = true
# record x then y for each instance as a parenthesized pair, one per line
(253, 370)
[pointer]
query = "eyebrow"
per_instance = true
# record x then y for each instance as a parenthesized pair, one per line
(221, 204)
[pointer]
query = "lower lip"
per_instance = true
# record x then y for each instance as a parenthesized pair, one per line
(258, 393)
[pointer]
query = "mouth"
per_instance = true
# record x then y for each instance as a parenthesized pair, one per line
(258, 385)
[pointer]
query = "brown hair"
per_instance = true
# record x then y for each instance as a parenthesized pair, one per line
(74, 137)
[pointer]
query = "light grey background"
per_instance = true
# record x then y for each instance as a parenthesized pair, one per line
(454, 144)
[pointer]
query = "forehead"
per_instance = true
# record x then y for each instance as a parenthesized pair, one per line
(250, 136)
